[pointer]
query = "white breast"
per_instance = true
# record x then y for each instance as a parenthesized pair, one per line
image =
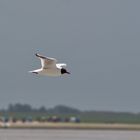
(51, 72)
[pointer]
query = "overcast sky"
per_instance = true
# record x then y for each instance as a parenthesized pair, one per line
(98, 39)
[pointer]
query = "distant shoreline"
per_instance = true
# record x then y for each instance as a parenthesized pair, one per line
(88, 126)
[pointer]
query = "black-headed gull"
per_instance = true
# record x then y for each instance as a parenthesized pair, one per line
(50, 67)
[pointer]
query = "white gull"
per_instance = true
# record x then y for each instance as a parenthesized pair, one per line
(50, 67)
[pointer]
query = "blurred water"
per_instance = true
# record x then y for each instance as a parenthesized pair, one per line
(45, 134)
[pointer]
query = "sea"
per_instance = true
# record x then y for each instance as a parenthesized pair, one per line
(53, 134)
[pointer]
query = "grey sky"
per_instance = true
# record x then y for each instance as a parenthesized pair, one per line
(98, 39)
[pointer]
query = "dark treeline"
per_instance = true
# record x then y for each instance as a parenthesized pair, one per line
(62, 110)
(28, 108)
(18, 107)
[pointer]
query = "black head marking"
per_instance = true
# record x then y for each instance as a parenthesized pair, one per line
(63, 71)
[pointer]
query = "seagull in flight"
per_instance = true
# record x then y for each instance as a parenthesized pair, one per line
(50, 67)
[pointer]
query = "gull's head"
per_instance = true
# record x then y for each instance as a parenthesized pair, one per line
(63, 71)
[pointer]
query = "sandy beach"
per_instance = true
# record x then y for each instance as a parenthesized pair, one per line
(50, 125)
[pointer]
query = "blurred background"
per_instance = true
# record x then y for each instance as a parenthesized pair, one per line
(99, 41)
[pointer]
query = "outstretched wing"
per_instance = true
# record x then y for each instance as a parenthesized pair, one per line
(47, 62)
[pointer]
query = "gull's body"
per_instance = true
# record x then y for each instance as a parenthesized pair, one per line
(50, 67)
